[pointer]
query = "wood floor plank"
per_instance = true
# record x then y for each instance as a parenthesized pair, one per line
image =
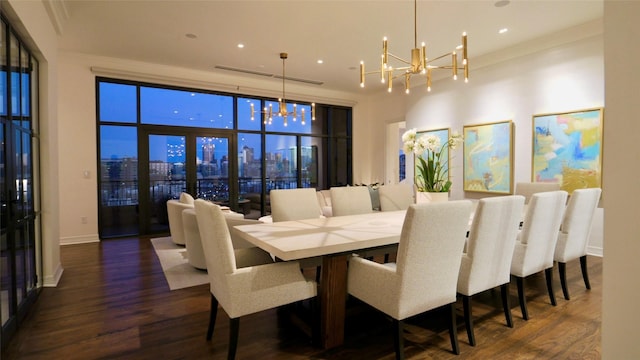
(113, 302)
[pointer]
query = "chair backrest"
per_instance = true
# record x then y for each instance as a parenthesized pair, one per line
(193, 244)
(216, 244)
(350, 200)
(395, 197)
(527, 189)
(294, 204)
(487, 262)
(186, 198)
(537, 240)
(576, 225)
(429, 254)
(174, 212)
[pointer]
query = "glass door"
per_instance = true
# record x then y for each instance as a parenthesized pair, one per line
(19, 230)
(186, 160)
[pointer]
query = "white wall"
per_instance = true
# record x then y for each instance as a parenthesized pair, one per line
(560, 79)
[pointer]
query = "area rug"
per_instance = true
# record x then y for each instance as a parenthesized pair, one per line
(176, 268)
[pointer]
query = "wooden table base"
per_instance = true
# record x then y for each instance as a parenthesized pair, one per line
(333, 295)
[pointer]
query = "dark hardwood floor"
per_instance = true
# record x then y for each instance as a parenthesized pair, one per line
(113, 303)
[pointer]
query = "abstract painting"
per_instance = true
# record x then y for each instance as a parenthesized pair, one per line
(488, 157)
(567, 149)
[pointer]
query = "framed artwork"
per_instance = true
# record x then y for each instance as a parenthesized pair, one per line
(443, 135)
(567, 149)
(488, 157)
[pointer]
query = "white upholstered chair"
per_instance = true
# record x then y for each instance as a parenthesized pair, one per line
(193, 243)
(574, 234)
(395, 197)
(486, 264)
(527, 189)
(186, 198)
(174, 212)
(294, 204)
(243, 290)
(536, 242)
(426, 272)
(246, 253)
(297, 204)
(350, 200)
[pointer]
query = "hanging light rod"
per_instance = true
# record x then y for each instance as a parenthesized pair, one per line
(419, 64)
(268, 112)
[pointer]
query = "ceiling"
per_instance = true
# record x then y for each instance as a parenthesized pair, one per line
(203, 34)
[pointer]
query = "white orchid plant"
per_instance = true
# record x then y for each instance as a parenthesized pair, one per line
(433, 172)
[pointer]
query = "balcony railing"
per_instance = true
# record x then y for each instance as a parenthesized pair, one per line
(124, 193)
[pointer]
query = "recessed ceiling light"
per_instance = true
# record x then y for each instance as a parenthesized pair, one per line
(503, 30)
(191, 36)
(240, 46)
(502, 3)
(320, 61)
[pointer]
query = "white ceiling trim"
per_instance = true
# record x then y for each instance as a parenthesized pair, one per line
(58, 13)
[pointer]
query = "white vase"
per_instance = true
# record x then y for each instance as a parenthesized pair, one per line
(425, 197)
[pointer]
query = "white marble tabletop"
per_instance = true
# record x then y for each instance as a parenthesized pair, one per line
(291, 240)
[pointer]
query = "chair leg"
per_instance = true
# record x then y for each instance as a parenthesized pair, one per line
(398, 338)
(504, 291)
(585, 274)
(234, 330)
(453, 329)
(468, 319)
(562, 270)
(548, 274)
(212, 316)
(521, 297)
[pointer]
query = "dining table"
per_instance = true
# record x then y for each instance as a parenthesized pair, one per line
(334, 239)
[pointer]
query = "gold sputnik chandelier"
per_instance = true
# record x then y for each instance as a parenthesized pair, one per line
(419, 64)
(268, 112)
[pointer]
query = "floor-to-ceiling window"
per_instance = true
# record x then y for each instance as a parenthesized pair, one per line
(19, 217)
(157, 141)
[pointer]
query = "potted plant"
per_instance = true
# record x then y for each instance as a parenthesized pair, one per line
(432, 170)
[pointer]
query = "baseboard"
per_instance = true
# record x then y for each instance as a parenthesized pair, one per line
(595, 251)
(80, 239)
(52, 280)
